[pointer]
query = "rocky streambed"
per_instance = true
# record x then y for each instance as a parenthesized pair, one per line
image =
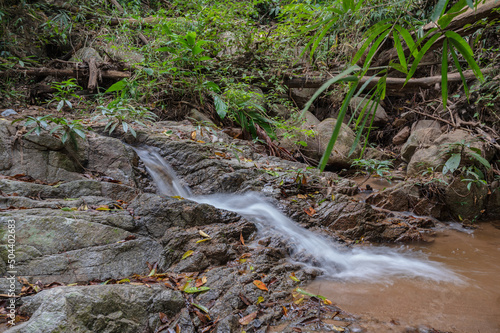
(97, 249)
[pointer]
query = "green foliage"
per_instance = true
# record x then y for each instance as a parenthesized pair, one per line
(378, 34)
(120, 113)
(64, 129)
(65, 92)
(245, 108)
(472, 174)
(372, 166)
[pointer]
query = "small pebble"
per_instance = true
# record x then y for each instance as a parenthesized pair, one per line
(8, 112)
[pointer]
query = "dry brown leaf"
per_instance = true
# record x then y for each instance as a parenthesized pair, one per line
(248, 319)
(310, 211)
(241, 239)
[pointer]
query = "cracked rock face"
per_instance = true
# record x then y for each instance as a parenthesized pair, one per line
(92, 215)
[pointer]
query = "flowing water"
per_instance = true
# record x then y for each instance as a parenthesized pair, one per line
(370, 264)
(472, 306)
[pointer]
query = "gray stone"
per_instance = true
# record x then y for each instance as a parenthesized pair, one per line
(463, 203)
(8, 112)
(420, 138)
(99, 308)
(339, 156)
(300, 131)
(423, 124)
(85, 54)
(402, 136)
(302, 95)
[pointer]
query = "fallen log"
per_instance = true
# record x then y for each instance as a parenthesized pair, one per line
(73, 72)
(392, 84)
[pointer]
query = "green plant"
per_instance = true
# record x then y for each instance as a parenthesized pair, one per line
(69, 129)
(408, 55)
(372, 166)
(471, 174)
(119, 113)
(40, 123)
(65, 91)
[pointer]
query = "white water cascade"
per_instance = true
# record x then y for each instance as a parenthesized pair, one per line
(373, 263)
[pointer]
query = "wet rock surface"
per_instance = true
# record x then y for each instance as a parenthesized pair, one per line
(91, 215)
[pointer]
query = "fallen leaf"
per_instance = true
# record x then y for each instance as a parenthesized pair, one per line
(200, 141)
(203, 240)
(123, 281)
(260, 285)
(203, 234)
(163, 318)
(300, 300)
(327, 301)
(201, 307)
(193, 135)
(285, 311)
(260, 300)
(310, 211)
(200, 282)
(248, 319)
(177, 197)
(192, 290)
(103, 207)
(293, 277)
(301, 196)
(241, 239)
(187, 254)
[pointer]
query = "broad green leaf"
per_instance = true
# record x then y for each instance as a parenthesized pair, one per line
(191, 37)
(401, 52)
(60, 105)
(452, 163)
(459, 68)
(197, 50)
(118, 86)
(444, 74)
(373, 34)
(125, 127)
(193, 290)
(80, 133)
(375, 47)
(480, 159)
(407, 38)
(325, 30)
(64, 137)
(220, 106)
(132, 131)
(420, 55)
(464, 48)
(204, 58)
(439, 9)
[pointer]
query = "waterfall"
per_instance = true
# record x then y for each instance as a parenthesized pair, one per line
(374, 263)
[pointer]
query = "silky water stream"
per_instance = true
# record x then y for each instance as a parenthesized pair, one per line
(405, 286)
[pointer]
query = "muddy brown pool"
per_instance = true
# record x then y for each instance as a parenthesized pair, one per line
(472, 306)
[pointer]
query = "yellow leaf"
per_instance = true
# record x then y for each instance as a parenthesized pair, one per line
(242, 261)
(193, 135)
(123, 281)
(260, 285)
(187, 254)
(293, 277)
(300, 300)
(103, 207)
(177, 197)
(203, 240)
(203, 234)
(260, 300)
(333, 197)
(301, 196)
(200, 141)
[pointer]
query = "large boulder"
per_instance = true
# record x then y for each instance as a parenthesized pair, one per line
(299, 131)
(426, 149)
(466, 203)
(100, 308)
(339, 157)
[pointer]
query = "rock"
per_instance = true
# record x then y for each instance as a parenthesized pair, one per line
(431, 152)
(279, 110)
(302, 95)
(300, 131)
(402, 136)
(228, 39)
(463, 203)
(200, 117)
(112, 158)
(52, 248)
(420, 138)
(359, 103)
(99, 308)
(123, 53)
(8, 113)
(85, 54)
(316, 144)
(423, 124)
